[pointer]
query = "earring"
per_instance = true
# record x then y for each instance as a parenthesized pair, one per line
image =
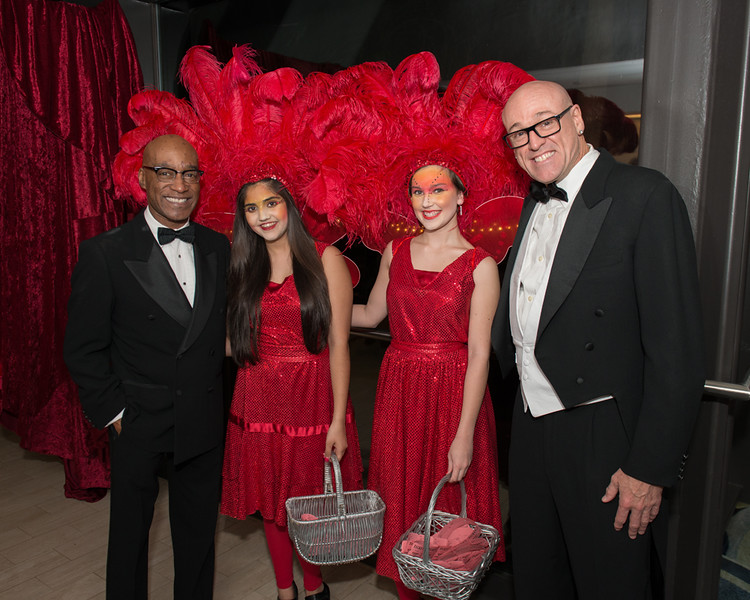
(580, 132)
(460, 210)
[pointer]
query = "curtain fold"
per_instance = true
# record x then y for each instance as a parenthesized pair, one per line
(66, 75)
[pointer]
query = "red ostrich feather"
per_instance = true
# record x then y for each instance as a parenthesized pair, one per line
(345, 144)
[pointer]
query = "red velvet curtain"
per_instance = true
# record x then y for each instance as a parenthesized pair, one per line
(66, 75)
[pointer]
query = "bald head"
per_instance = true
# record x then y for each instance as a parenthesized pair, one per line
(551, 158)
(167, 142)
(548, 90)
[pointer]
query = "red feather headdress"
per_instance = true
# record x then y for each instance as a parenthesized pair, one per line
(382, 125)
(345, 145)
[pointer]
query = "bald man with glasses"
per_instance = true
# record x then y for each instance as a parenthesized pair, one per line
(599, 317)
(145, 343)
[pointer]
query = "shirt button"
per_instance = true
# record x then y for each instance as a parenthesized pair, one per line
(525, 377)
(589, 346)
(599, 312)
(540, 259)
(579, 381)
(530, 298)
(525, 363)
(527, 350)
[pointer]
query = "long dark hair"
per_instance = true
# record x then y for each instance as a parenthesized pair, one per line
(250, 272)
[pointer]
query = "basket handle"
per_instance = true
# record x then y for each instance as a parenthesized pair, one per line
(327, 484)
(431, 509)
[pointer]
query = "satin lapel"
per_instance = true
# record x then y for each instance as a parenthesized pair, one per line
(578, 237)
(500, 327)
(152, 271)
(205, 292)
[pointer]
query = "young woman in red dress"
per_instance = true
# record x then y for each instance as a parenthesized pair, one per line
(289, 310)
(433, 413)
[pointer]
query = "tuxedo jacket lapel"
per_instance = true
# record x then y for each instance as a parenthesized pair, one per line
(523, 221)
(581, 229)
(152, 271)
(501, 335)
(206, 268)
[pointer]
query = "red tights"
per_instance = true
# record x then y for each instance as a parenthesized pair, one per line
(280, 546)
(405, 593)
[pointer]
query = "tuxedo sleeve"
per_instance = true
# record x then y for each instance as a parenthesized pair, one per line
(668, 298)
(88, 337)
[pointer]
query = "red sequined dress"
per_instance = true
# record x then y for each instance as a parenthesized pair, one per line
(419, 399)
(280, 414)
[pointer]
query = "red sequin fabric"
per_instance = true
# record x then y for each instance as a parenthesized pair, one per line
(419, 399)
(280, 413)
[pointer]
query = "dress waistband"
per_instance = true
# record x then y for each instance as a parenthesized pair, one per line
(428, 348)
(289, 430)
(290, 354)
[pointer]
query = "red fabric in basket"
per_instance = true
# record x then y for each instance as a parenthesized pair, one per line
(456, 546)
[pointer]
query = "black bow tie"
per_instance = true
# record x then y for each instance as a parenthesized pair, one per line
(167, 235)
(542, 193)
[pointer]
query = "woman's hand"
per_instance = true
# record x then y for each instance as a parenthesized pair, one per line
(336, 440)
(459, 457)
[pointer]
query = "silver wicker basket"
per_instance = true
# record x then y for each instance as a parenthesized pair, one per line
(422, 575)
(348, 525)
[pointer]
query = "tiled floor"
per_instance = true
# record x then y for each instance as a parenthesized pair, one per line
(54, 548)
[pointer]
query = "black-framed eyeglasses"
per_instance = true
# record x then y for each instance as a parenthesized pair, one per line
(168, 175)
(544, 128)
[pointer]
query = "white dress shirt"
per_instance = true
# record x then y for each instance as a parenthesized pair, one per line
(529, 281)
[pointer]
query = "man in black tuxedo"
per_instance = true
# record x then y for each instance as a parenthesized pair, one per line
(145, 343)
(600, 316)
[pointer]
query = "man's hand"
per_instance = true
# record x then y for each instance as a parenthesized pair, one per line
(639, 499)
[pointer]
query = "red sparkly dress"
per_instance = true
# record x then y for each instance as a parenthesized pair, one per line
(280, 414)
(419, 399)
